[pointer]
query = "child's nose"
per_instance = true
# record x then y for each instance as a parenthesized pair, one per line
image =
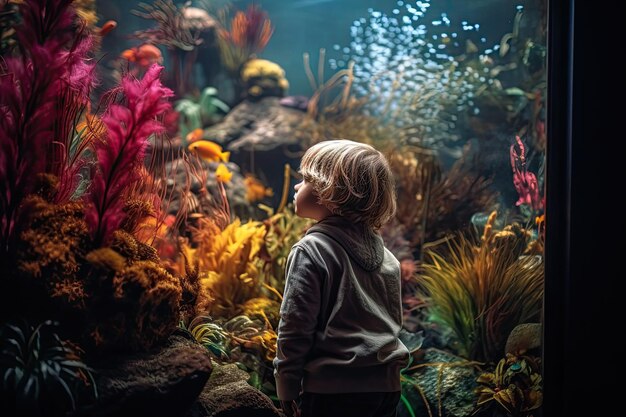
(297, 186)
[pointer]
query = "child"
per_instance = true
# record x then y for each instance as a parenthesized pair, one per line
(338, 347)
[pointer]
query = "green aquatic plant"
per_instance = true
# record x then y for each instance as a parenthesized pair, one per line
(210, 335)
(41, 374)
(284, 229)
(482, 290)
(513, 389)
(196, 114)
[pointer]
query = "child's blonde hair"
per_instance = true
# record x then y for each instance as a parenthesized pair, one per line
(352, 180)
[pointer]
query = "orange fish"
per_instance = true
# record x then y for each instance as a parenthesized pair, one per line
(255, 190)
(209, 151)
(144, 55)
(194, 135)
(108, 26)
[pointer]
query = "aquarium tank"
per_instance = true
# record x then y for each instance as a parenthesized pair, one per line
(148, 153)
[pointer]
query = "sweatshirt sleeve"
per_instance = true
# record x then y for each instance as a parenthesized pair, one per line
(298, 320)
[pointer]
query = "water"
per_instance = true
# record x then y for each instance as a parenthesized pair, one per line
(162, 195)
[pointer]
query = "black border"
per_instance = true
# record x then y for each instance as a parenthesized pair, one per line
(584, 306)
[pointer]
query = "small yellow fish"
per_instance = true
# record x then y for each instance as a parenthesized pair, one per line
(209, 151)
(223, 174)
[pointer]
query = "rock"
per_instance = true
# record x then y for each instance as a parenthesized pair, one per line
(263, 136)
(227, 394)
(455, 389)
(261, 125)
(164, 383)
(524, 337)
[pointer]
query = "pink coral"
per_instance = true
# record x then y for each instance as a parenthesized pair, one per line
(122, 154)
(525, 182)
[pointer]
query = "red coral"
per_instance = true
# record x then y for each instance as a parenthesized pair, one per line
(525, 182)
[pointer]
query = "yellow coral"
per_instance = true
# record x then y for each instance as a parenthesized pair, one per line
(261, 68)
(262, 307)
(229, 266)
(264, 78)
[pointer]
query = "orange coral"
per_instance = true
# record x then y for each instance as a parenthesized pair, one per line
(51, 249)
(137, 302)
(249, 34)
(251, 30)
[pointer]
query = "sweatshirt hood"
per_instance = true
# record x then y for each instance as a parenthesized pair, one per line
(363, 245)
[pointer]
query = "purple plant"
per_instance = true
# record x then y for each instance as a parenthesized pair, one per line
(129, 126)
(43, 89)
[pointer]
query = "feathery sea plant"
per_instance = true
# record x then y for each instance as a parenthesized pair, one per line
(43, 88)
(482, 290)
(446, 201)
(228, 338)
(40, 374)
(171, 30)
(230, 266)
(284, 229)
(129, 127)
(174, 33)
(210, 335)
(249, 33)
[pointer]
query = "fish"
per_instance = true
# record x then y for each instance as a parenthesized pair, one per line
(144, 55)
(209, 151)
(108, 26)
(194, 135)
(255, 190)
(223, 174)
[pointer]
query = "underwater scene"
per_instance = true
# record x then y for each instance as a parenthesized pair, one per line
(148, 157)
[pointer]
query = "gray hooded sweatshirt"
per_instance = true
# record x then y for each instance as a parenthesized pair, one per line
(341, 314)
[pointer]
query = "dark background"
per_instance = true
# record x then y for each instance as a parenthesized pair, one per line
(584, 298)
